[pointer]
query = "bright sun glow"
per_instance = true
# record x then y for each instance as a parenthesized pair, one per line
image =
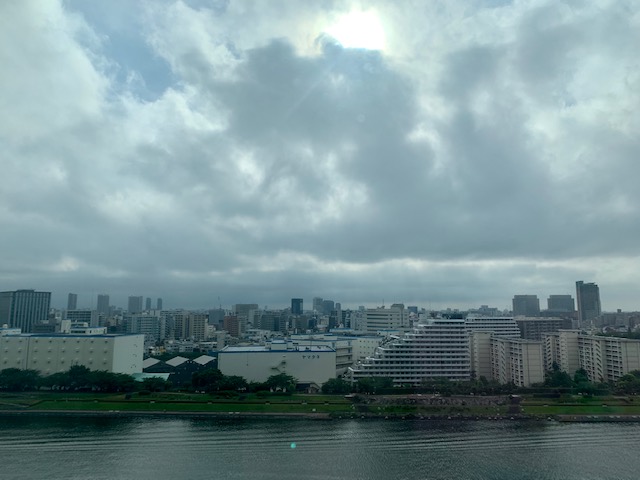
(359, 30)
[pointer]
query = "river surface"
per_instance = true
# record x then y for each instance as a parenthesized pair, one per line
(179, 448)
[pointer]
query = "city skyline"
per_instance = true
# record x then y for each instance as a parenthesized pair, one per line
(133, 303)
(445, 154)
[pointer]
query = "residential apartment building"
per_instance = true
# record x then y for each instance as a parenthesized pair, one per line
(506, 359)
(191, 326)
(604, 358)
(438, 348)
(516, 360)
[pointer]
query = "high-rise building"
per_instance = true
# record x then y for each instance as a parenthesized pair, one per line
(135, 305)
(103, 304)
(561, 303)
(72, 301)
(588, 299)
(526, 305)
(327, 306)
(317, 304)
(296, 306)
(24, 308)
(147, 304)
(159, 304)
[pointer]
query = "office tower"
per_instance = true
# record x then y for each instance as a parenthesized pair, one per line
(296, 306)
(526, 305)
(378, 319)
(159, 304)
(103, 304)
(72, 301)
(24, 308)
(327, 307)
(561, 303)
(317, 304)
(147, 304)
(135, 305)
(588, 299)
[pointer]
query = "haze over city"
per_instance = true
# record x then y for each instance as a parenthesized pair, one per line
(441, 154)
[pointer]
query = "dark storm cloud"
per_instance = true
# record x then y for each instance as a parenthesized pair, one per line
(199, 149)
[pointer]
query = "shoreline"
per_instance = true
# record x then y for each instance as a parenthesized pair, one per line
(319, 416)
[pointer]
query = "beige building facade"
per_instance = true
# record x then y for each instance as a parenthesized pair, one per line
(55, 353)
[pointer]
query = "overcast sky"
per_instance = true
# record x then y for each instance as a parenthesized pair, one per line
(436, 153)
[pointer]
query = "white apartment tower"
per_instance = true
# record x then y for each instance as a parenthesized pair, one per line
(438, 348)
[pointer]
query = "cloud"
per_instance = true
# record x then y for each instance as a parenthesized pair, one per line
(196, 149)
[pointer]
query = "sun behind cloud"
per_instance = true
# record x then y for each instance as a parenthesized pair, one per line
(359, 29)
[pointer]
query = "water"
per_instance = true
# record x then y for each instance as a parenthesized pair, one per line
(152, 448)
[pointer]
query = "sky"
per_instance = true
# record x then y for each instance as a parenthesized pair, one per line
(436, 153)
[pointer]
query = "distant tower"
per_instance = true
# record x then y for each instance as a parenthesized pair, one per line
(103, 304)
(317, 304)
(159, 304)
(296, 306)
(561, 303)
(147, 305)
(72, 301)
(588, 300)
(135, 305)
(526, 305)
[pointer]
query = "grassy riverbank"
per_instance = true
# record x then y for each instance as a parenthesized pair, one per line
(411, 406)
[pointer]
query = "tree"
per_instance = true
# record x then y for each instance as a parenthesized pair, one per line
(374, 385)
(207, 380)
(155, 384)
(16, 380)
(79, 377)
(558, 379)
(629, 384)
(233, 382)
(336, 386)
(580, 376)
(283, 382)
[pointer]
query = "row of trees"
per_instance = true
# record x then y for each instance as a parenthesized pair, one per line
(77, 378)
(213, 381)
(81, 379)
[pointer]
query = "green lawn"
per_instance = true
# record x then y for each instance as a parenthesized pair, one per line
(189, 406)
